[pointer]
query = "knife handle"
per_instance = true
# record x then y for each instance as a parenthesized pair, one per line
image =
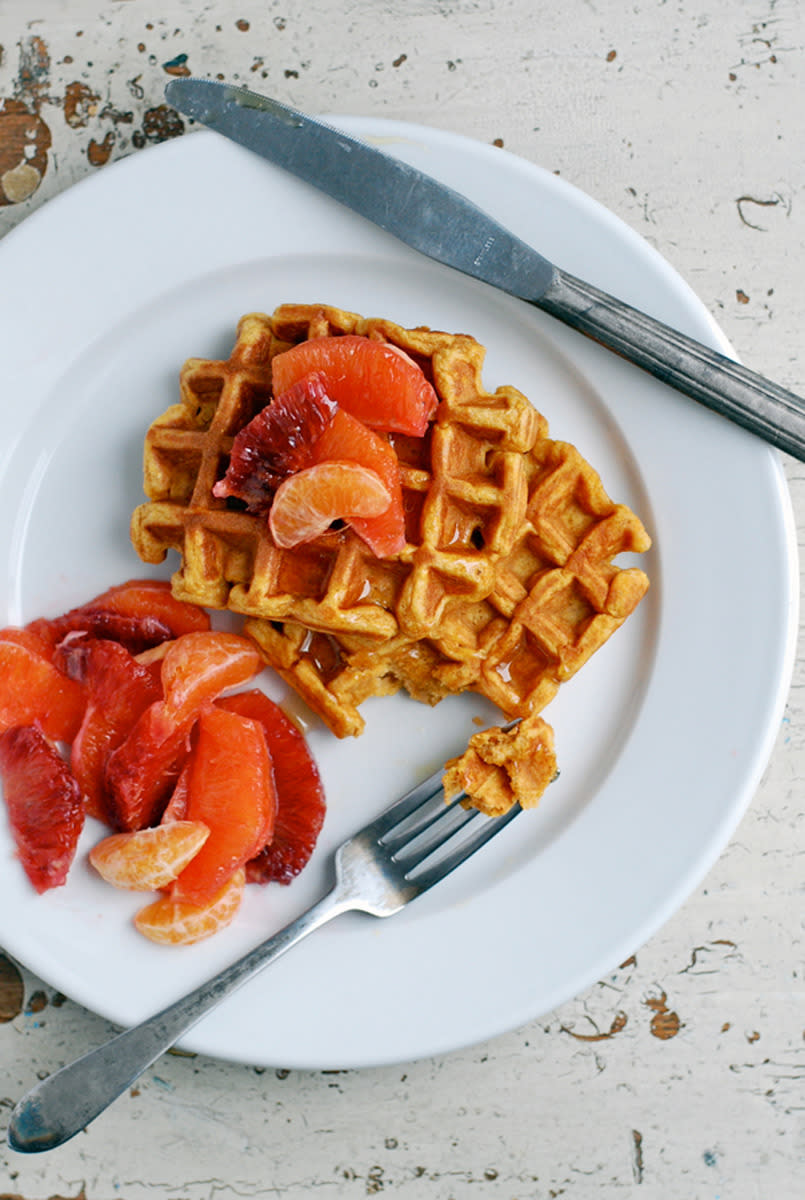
(720, 383)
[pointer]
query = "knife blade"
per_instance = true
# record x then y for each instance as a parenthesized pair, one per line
(446, 226)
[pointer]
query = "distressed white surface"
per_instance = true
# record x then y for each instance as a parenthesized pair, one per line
(686, 121)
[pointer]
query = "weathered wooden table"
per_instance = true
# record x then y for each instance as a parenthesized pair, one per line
(682, 1074)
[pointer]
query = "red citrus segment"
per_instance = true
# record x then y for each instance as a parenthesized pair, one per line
(178, 923)
(33, 690)
(119, 689)
(149, 859)
(176, 808)
(153, 598)
(136, 633)
(348, 439)
(373, 381)
(199, 666)
(70, 655)
(277, 442)
(28, 638)
(300, 794)
(45, 810)
(142, 772)
(231, 789)
(138, 614)
(305, 504)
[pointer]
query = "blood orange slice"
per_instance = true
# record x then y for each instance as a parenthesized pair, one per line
(179, 923)
(231, 789)
(375, 382)
(119, 691)
(148, 859)
(152, 598)
(142, 772)
(176, 808)
(277, 442)
(138, 614)
(309, 501)
(33, 690)
(45, 810)
(300, 794)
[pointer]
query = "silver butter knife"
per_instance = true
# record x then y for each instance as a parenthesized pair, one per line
(447, 227)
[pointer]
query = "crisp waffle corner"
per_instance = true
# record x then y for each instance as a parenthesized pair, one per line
(507, 583)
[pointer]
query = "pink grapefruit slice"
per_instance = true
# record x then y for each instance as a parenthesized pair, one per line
(375, 382)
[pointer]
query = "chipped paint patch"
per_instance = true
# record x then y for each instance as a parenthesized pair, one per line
(618, 1023)
(24, 143)
(162, 123)
(98, 152)
(37, 1002)
(637, 1155)
(33, 77)
(664, 1024)
(176, 66)
(12, 990)
(80, 103)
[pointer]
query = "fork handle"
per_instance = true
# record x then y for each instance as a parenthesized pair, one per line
(766, 409)
(66, 1102)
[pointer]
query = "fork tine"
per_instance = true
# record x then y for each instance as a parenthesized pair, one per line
(413, 841)
(426, 796)
(465, 849)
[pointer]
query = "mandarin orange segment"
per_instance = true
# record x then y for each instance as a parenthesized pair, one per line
(178, 923)
(375, 382)
(199, 666)
(148, 859)
(307, 503)
(231, 789)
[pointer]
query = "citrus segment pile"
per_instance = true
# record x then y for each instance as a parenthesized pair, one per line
(116, 710)
(335, 402)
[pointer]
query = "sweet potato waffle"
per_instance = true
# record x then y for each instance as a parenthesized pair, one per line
(506, 584)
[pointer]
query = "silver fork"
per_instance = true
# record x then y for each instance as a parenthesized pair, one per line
(412, 846)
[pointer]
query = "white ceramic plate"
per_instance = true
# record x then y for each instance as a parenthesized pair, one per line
(661, 738)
